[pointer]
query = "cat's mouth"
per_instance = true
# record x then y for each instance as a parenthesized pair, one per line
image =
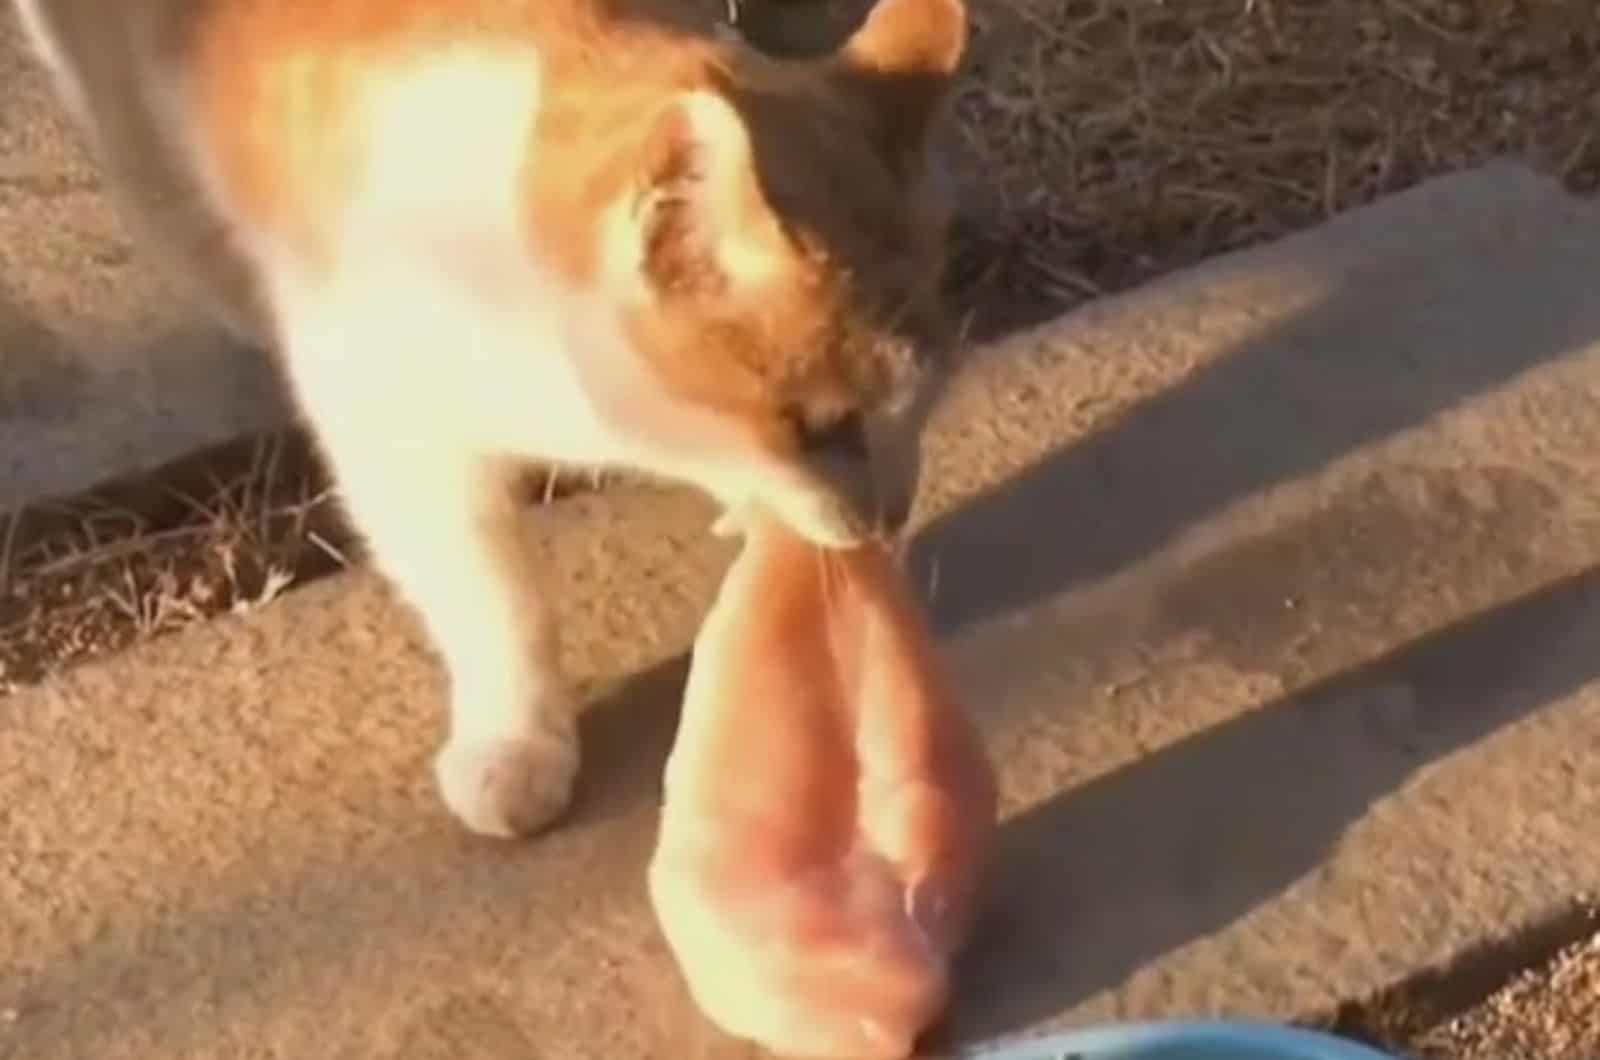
(825, 511)
(816, 514)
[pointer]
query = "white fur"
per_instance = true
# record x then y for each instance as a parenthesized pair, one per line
(434, 347)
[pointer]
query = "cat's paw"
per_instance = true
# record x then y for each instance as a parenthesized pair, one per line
(508, 788)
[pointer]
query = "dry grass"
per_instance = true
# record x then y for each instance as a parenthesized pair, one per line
(1100, 142)
(1111, 140)
(224, 531)
(220, 531)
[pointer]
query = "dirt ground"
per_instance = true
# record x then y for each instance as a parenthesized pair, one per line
(1534, 997)
(1549, 1013)
(1119, 139)
(1100, 143)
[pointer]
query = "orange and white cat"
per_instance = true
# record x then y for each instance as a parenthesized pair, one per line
(596, 232)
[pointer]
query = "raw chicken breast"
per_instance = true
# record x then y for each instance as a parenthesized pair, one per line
(827, 808)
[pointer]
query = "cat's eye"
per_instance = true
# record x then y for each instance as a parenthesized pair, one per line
(843, 437)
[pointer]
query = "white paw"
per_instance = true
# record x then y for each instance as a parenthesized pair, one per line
(508, 787)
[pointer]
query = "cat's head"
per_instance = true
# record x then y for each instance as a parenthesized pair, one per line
(778, 246)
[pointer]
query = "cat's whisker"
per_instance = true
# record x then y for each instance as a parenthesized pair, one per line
(835, 578)
(969, 319)
(825, 577)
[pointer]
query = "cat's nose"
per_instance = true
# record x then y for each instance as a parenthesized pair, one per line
(874, 480)
(893, 511)
(880, 502)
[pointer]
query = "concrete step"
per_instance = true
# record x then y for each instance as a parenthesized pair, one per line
(1272, 583)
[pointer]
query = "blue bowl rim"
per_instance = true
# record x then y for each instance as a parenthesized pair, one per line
(1295, 1043)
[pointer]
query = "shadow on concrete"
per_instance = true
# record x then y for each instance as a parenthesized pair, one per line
(626, 738)
(1096, 882)
(39, 378)
(1399, 340)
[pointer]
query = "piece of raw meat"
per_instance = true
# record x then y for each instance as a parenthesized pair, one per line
(827, 808)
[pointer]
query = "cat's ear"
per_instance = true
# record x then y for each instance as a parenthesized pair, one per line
(901, 61)
(702, 221)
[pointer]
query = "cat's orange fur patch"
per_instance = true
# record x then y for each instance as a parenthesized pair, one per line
(282, 89)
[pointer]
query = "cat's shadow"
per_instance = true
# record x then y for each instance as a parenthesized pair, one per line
(627, 734)
(38, 376)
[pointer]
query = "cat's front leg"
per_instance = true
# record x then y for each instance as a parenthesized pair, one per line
(444, 525)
